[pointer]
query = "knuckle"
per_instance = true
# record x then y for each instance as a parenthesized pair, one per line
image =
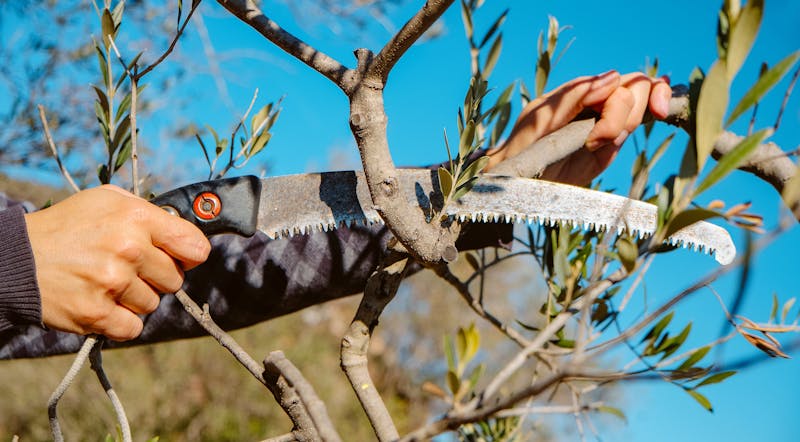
(626, 97)
(114, 280)
(130, 251)
(137, 213)
(92, 317)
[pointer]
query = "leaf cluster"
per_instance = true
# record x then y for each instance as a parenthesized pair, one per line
(253, 139)
(113, 118)
(473, 122)
(688, 375)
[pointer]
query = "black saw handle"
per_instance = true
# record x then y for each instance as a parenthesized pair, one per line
(227, 205)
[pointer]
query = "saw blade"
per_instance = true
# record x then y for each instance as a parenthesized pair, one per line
(302, 204)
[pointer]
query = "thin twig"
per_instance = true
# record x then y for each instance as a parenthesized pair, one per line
(685, 354)
(54, 150)
(636, 282)
(463, 289)
(786, 98)
(77, 364)
(134, 134)
(195, 4)
(474, 413)
(548, 409)
(96, 363)
(277, 381)
(288, 437)
(213, 61)
(590, 294)
(407, 36)
(203, 318)
(703, 282)
(276, 364)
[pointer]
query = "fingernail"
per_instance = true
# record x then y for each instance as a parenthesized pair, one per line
(621, 138)
(663, 106)
(603, 79)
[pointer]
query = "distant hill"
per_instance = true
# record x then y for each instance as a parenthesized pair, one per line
(36, 193)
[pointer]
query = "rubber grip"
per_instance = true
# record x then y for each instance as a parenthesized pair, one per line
(227, 205)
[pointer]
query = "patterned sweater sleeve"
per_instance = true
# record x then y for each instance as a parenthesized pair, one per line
(19, 292)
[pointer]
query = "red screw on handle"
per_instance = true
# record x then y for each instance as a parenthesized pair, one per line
(207, 206)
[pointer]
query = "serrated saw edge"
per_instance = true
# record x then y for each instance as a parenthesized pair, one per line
(306, 203)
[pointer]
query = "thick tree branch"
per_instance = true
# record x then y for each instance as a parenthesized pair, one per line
(286, 396)
(249, 12)
(406, 37)
(428, 242)
(380, 290)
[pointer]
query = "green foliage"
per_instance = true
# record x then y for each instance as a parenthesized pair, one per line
(733, 159)
(764, 84)
(546, 52)
(473, 123)
(253, 140)
(505, 429)
(711, 107)
(116, 130)
(459, 355)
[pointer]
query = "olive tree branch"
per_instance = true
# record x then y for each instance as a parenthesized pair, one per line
(427, 242)
(394, 49)
(54, 150)
(463, 289)
(171, 47)
(66, 382)
(279, 369)
(702, 282)
(277, 384)
(474, 412)
(96, 363)
(203, 318)
(248, 12)
(380, 290)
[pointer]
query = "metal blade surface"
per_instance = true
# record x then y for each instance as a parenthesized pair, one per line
(301, 204)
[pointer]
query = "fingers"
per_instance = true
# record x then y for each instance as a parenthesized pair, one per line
(554, 110)
(139, 298)
(160, 271)
(660, 96)
(119, 325)
(179, 238)
(613, 120)
(623, 110)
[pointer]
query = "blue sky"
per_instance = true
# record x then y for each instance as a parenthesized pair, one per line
(422, 97)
